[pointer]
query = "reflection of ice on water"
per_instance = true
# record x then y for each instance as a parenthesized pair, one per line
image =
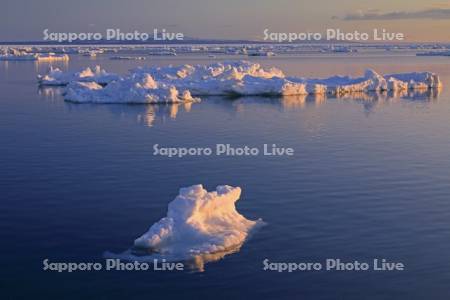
(146, 114)
(284, 103)
(149, 115)
(418, 94)
(194, 263)
(369, 100)
(300, 101)
(292, 103)
(39, 66)
(198, 261)
(51, 95)
(429, 95)
(44, 66)
(161, 112)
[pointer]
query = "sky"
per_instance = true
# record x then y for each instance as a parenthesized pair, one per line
(418, 20)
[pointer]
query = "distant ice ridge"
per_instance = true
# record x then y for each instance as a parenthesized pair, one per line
(199, 222)
(180, 83)
(127, 58)
(19, 55)
(434, 53)
(52, 57)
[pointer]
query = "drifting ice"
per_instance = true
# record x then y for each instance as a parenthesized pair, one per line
(199, 222)
(56, 77)
(52, 57)
(20, 55)
(246, 78)
(129, 90)
(166, 84)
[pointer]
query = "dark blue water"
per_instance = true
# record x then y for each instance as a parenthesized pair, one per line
(370, 178)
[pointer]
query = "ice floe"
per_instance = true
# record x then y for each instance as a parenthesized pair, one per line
(134, 89)
(52, 57)
(173, 84)
(200, 226)
(17, 54)
(414, 81)
(12, 54)
(127, 58)
(199, 222)
(57, 77)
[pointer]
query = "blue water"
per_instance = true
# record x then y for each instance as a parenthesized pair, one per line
(370, 178)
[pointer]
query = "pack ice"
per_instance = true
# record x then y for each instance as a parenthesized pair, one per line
(11, 54)
(183, 83)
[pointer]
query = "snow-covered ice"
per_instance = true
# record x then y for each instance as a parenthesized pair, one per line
(173, 84)
(52, 57)
(199, 225)
(127, 58)
(199, 222)
(57, 77)
(414, 81)
(12, 54)
(17, 54)
(134, 89)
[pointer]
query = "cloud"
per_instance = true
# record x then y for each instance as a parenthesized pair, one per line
(433, 13)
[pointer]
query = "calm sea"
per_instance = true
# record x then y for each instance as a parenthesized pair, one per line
(370, 178)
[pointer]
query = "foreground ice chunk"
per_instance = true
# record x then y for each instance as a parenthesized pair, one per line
(199, 222)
